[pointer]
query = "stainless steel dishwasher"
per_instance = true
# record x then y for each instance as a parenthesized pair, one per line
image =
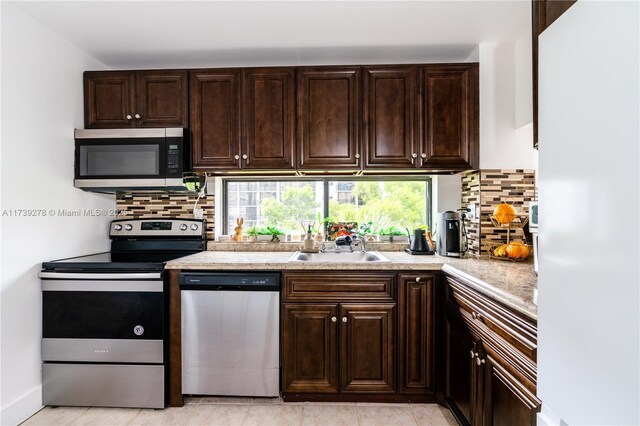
(230, 333)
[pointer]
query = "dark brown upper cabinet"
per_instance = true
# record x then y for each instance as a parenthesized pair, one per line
(161, 99)
(215, 119)
(116, 99)
(268, 117)
(391, 99)
(450, 118)
(329, 120)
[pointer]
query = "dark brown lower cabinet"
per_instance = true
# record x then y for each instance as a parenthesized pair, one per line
(506, 401)
(489, 381)
(321, 340)
(416, 333)
(310, 348)
(367, 347)
(461, 374)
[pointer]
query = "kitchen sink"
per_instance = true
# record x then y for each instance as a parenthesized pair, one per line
(339, 257)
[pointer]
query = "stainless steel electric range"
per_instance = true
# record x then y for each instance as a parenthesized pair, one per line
(104, 322)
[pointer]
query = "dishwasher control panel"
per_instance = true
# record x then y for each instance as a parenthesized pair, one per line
(254, 281)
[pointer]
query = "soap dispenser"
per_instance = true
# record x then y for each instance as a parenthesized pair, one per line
(308, 241)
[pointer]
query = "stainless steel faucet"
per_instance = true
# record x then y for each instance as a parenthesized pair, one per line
(362, 242)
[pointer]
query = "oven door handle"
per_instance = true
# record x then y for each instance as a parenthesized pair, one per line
(99, 276)
(144, 286)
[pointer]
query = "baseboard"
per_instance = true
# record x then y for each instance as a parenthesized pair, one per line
(548, 417)
(22, 408)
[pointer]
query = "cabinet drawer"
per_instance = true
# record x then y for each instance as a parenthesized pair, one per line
(516, 330)
(338, 286)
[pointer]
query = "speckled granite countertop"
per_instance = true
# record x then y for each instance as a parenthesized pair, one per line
(508, 282)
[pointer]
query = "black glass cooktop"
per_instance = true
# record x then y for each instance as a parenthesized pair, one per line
(113, 262)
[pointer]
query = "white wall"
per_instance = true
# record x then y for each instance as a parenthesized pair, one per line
(523, 81)
(502, 144)
(588, 305)
(41, 104)
(446, 194)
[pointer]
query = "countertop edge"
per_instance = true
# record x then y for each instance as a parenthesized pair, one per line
(489, 290)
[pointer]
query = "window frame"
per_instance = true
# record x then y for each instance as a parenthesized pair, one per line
(325, 184)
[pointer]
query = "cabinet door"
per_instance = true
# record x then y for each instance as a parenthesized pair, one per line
(268, 118)
(391, 100)
(460, 372)
(109, 100)
(506, 401)
(367, 347)
(309, 348)
(416, 333)
(215, 119)
(329, 118)
(161, 99)
(450, 117)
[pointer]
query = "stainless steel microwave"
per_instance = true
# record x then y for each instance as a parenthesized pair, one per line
(131, 159)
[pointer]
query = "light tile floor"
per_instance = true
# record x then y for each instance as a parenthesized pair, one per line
(250, 411)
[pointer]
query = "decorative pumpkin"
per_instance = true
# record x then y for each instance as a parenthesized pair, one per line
(517, 250)
(504, 213)
(500, 251)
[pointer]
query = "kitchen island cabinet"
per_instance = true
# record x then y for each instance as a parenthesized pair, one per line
(152, 98)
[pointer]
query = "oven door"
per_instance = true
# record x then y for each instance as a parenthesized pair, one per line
(107, 317)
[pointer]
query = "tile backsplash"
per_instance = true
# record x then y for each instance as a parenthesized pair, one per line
(471, 194)
(145, 205)
(491, 187)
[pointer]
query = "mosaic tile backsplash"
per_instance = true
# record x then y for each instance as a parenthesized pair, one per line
(471, 194)
(145, 205)
(516, 186)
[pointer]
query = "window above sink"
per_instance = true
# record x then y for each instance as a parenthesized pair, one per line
(403, 202)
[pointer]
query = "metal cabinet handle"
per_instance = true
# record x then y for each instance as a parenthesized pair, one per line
(357, 156)
(129, 117)
(236, 157)
(334, 319)
(423, 155)
(480, 361)
(473, 355)
(245, 156)
(344, 319)
(414, 155)
(417, 279)
(475, 315)
(137, 116)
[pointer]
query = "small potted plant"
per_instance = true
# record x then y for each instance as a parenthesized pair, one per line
(264, 235)
(274, 233)
(399, 235)
(252, 233)
(392, 234)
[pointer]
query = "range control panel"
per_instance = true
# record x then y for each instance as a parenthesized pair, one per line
(165, 227)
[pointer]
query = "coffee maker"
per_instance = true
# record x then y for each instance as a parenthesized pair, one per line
(452, 237)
